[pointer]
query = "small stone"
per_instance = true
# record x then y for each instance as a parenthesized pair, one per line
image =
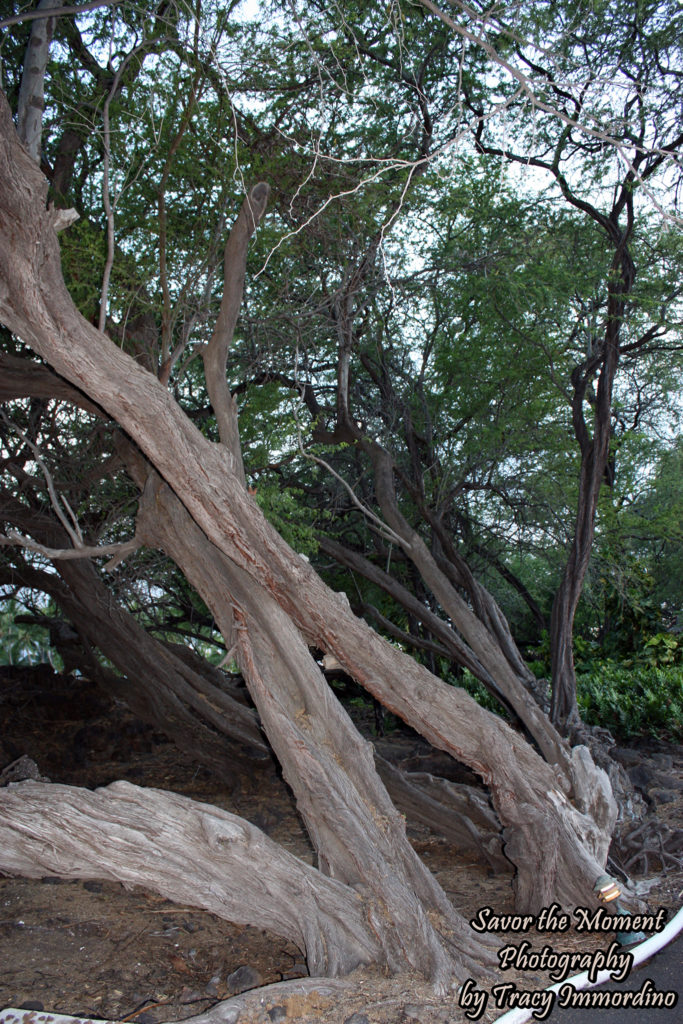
(663, 761)
(357, 1018)
(662, 796)
(625, 756)
(277, 1013)
(189, 995)
(243, 979)
(215, 986)
(411, 1011)
(31, 1004)
(297, 970)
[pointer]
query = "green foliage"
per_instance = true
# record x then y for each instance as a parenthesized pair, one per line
(23, 644)
(662, 650)
(641, 695)
(291, 519)
(466, 292)
(642, 700)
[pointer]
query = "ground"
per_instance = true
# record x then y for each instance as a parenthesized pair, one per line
(98, 950)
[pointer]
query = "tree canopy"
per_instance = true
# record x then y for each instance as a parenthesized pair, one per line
(390, 293)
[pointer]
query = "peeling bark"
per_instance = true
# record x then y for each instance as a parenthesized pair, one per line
(558, 848)
(357, 832)
(189, 852)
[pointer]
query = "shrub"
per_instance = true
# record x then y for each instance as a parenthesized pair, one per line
(636, 700)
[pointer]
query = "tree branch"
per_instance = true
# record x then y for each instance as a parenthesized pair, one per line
(119, 551)
(215, 354)
(92, 5)
(149, 837)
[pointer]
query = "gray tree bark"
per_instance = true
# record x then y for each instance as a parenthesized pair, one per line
(559, 848)
(190, 852)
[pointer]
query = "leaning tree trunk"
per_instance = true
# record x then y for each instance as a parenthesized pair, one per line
(357, 832)
(595, 453)
(190, 852)
(486, 645)
(558, 848)
(155, 682)
(546, 838)
(460, 813)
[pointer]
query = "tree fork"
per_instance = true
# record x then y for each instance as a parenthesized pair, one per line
(190, 852)
(357, 832)
(546, 834)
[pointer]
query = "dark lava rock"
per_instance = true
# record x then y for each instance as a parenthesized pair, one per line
(277, 1013)
(243, 979)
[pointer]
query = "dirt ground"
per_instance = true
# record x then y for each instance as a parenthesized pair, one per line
(96, 949)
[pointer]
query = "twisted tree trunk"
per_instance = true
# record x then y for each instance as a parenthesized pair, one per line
(595, 452)
(280, 605)
(190, 852)
(158, 685)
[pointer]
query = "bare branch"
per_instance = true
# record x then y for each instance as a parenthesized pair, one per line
(92, 5)
(385, 531)
(215, 354)
(119, 551)
(554, 110)
(69, 523)
(106, 197)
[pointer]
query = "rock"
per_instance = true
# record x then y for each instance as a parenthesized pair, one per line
(277, 1013)
(214, 986)
(411, 1011)
(21, 770)
(642, 778)
(297, 970)
(357, 1018)
(31, 1004)
(190, 995)
(243, 979)
(663, 796)
(625, 756)
(663, 761)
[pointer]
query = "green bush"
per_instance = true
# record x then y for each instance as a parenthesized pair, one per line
(633, 700)
(23, 644)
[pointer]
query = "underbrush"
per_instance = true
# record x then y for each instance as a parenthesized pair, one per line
(633, 700)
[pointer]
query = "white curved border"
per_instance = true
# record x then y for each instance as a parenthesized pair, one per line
(580, 981)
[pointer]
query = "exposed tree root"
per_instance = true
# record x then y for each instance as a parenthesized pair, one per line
(651, 845)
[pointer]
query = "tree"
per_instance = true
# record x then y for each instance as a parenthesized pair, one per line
(600, 171)
(556, 814)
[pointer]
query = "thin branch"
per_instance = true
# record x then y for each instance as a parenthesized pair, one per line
(118, 551)
(108, 208)
(92, 5)
(71, 527)
(385, 531)
(526, 86)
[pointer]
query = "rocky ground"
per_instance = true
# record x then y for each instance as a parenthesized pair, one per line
(96, 949)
